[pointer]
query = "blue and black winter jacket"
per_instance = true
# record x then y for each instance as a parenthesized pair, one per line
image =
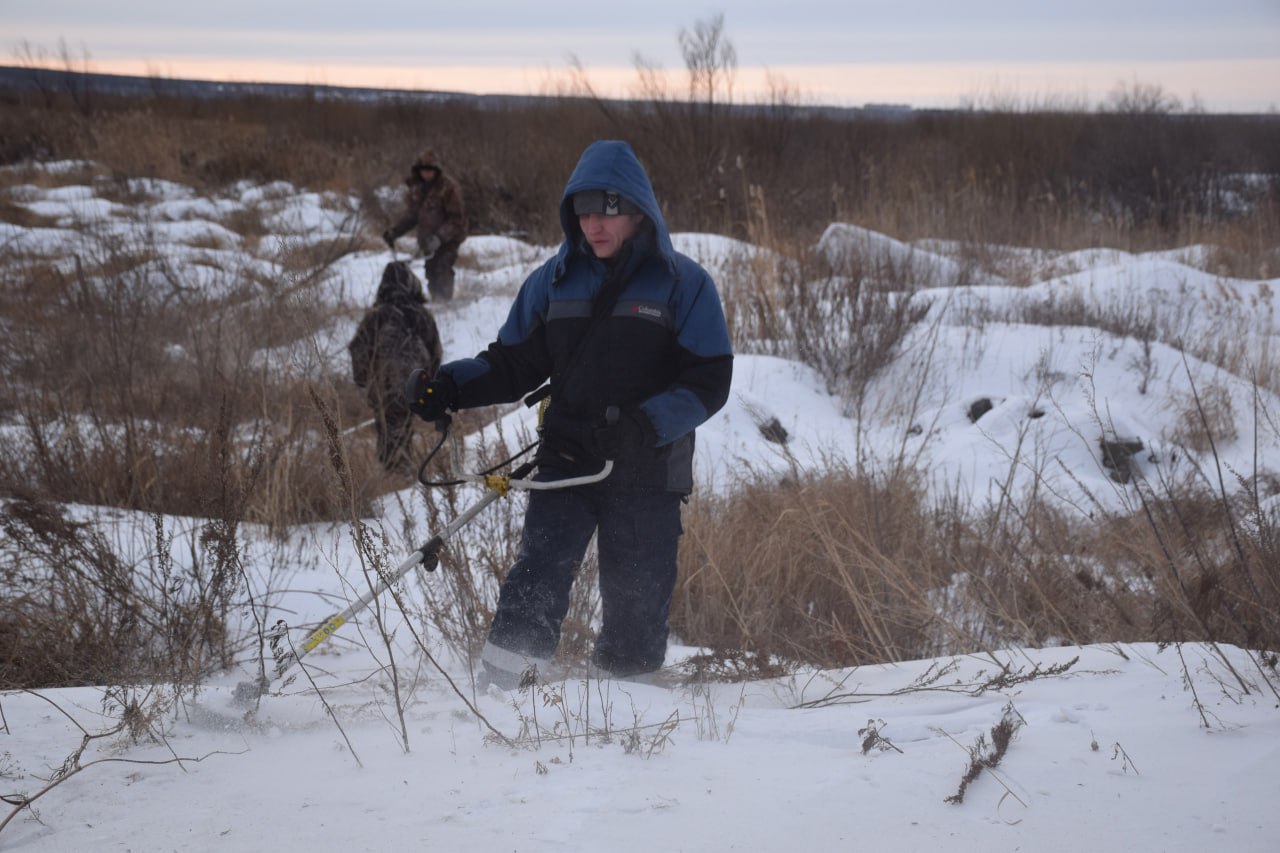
(663, 348)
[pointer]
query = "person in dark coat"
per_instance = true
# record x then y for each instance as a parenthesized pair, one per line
(617, 320)
(396, 337)
(433, 202)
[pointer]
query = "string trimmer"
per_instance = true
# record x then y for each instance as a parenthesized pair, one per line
(427, 556)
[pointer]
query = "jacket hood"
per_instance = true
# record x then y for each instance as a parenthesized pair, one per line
(428, 158)
(611, 164)
(399, 284)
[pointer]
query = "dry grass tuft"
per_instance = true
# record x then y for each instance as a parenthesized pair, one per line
(810, 569)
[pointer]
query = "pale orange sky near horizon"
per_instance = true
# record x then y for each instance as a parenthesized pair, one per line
(1226, 86)
(1223, 57)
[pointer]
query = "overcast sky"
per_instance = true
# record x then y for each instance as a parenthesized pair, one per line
(1222, 54)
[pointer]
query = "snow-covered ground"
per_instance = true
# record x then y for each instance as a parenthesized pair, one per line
(1119, 747)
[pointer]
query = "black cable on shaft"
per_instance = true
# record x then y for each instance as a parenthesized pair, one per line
(444, 426)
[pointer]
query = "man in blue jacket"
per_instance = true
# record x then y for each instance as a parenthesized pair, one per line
(617, 319)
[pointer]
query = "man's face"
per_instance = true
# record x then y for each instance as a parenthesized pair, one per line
(606, 234)
(427, 173)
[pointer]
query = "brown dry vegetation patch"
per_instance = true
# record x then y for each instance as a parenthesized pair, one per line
(123, 397)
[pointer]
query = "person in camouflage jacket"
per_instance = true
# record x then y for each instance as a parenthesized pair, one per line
(396, 337)
(434, 206)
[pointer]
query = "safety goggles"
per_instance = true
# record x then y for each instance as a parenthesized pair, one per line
(607, 202)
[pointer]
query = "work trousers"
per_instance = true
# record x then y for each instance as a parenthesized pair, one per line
(394, 423)
(438, 270)
(637, 534)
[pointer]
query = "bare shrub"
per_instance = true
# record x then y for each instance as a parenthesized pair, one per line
(849, 322)
(1206, 417)
(844, 318)
(77, 613)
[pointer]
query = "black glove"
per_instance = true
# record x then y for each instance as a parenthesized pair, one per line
(389, 239)
(623, 437)
(430, 246)
(564, 438)
(430, 398)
